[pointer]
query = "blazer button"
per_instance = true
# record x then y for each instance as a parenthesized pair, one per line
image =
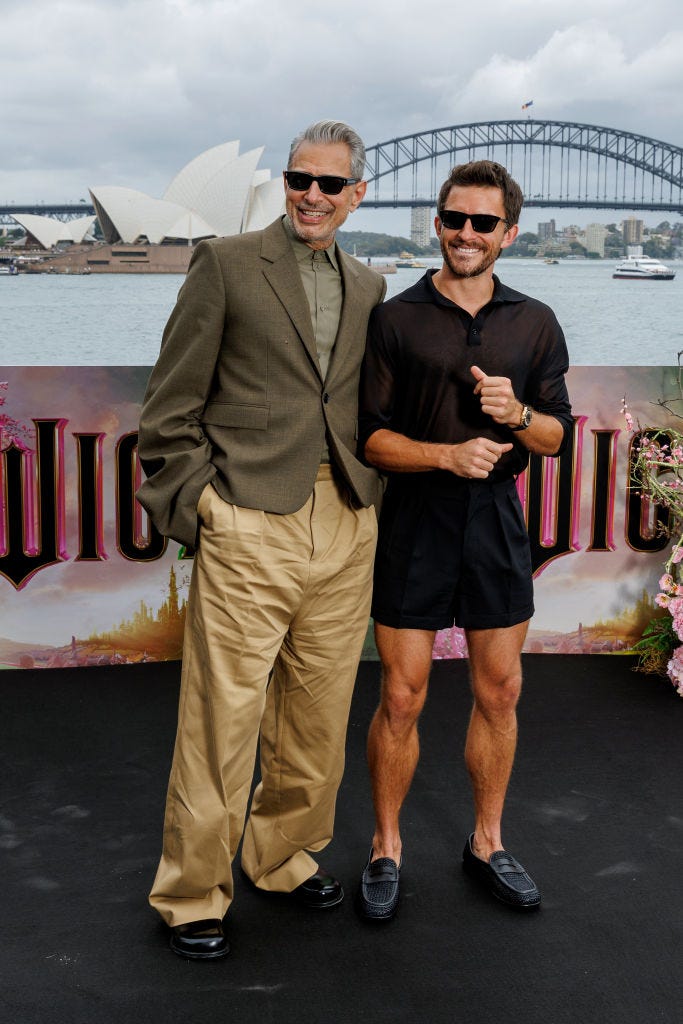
(326, 398)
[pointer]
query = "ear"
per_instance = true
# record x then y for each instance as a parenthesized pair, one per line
(359, 191)
(438, 226)
(509, 236)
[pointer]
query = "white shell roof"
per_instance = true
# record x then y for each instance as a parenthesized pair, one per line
(135, 215)
(192, 179)
(49, 231)
(266, 202)
(217, 193)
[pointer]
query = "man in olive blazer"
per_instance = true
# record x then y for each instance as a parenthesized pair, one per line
(248, 439)
(257, 434)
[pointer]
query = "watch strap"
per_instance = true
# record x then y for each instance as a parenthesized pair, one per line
(525, 418)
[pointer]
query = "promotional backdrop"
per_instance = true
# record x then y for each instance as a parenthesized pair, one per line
(85, 579)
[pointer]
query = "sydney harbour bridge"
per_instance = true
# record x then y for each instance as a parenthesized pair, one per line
(557, 163)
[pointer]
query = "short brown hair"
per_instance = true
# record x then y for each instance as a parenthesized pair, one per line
(486, 173)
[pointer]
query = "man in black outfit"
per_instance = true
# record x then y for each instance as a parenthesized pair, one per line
(463, 377)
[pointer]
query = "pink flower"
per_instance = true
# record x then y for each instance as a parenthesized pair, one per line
(667, 583)
(662, 600)
(674, 670)
(676, 609)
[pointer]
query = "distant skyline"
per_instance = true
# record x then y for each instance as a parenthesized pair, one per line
(125, 92)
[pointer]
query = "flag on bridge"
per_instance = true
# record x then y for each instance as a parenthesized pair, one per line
(526, 105)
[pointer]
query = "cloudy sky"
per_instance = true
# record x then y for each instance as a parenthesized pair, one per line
(125, 92)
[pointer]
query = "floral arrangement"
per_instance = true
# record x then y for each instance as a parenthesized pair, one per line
(657, 471)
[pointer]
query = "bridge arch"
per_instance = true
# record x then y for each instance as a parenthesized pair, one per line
(557, 163)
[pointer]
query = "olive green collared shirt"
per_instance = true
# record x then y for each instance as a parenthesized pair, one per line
(322, 281)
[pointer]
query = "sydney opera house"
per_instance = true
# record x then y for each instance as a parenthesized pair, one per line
(220, 192)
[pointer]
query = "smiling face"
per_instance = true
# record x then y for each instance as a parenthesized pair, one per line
(314, 216)
(466, 253)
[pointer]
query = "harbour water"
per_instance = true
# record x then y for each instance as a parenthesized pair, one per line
(114, 320)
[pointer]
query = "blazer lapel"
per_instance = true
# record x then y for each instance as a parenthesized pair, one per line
(284, 278)
(354, 312)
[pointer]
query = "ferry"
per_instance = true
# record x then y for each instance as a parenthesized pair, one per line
(410, 264)
(380, 268)
(643, 268)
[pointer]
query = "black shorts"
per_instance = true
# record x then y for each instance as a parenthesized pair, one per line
(452, 552)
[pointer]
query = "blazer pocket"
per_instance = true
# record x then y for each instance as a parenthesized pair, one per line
(227, 414)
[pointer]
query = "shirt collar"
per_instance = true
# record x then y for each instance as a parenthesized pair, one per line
(303, 252)
(425, 291)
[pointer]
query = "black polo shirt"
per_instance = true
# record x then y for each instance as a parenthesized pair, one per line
(416, 375)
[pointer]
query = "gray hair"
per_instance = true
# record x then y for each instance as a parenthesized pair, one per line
(327, 132)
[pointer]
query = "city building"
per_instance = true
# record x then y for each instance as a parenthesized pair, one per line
(546, 230)
(632, 230)
(595, 235)
(420, 225)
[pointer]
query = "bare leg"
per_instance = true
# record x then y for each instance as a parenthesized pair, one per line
(496, 673)
(393, 745)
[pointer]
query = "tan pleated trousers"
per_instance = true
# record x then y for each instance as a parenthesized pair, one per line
(289, 593)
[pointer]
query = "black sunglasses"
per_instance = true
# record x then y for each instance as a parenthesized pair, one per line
(329, 184)
(482, 223)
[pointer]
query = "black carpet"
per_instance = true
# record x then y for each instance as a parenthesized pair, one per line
(595, 812)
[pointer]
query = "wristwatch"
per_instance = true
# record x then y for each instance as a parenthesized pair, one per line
(525, 418)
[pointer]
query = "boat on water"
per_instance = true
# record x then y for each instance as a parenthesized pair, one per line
(551, 261)
(7, 270)
(410, 265)
(380, 267)
(643, 268)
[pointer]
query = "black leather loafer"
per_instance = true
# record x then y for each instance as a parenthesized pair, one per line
(200, 940)
(377, 898)
(320, 891)
(503, 876)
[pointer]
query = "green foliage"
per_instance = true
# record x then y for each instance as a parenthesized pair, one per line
(577, 249)
(614, 243)
(525, 244)
(656, 645)
(660, 248)
(368, 243)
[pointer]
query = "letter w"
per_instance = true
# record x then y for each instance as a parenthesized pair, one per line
(32, 541)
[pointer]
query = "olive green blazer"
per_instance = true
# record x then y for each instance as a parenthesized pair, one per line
(236, 397)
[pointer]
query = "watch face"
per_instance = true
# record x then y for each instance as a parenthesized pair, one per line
(526, 417)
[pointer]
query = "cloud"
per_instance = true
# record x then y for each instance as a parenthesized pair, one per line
(127, 91)
(578, 72)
